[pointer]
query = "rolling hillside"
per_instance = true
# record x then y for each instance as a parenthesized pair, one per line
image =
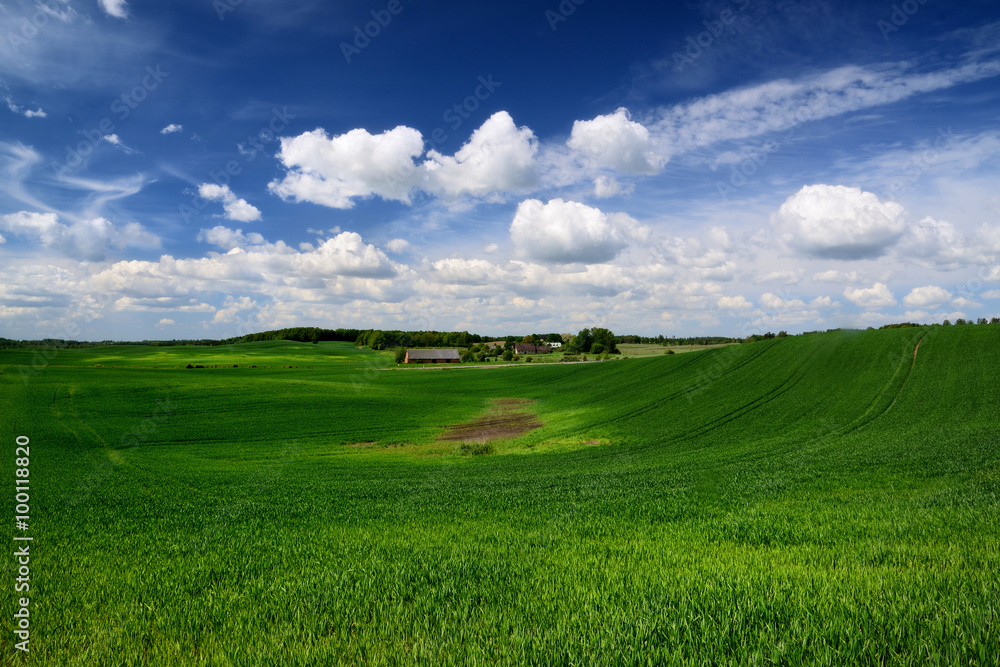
(831, 498)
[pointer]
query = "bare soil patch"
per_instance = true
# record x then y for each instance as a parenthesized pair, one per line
(505, 418)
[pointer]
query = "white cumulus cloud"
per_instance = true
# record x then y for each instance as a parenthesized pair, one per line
(83, 239)
(227, 238)
(116, 8)
(608, 186)
(565, 232)
(498, 157)
(834, 276)
(737, 303)
(930, 296)
(937, 244)
(345, 254)
(774, 302)
(170, 129)
(838, 222)
(876, 296)
(333, 171)
(397, 245)
(614, 141)
(235, 208)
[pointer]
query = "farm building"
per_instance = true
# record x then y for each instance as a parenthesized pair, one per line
(432, 357)
(528, 348)
(555, 345)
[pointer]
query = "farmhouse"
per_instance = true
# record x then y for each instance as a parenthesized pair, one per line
(432, 357)
(528, 348)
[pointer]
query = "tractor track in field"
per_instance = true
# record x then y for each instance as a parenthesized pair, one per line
(646, 407)
(685, 390)
(793, 379)
(909, 372)
(865, 419)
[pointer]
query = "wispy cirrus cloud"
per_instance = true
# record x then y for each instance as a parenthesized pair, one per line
(27, 113)
(782, 104)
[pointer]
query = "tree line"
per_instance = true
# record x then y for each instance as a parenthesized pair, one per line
(595, 340)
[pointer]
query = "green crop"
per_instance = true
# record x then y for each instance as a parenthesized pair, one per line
(820, 499)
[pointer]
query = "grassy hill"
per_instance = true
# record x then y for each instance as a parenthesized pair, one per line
(831, 499)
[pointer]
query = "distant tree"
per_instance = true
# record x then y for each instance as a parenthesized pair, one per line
(606, 338)
(529, 340)
(946, 323)
(960, 320)
(782, 334)
(553, 338)
(507, 355)
(597, 348)
(582, 341)
(400, 355)
(995, 320)
(377, 340)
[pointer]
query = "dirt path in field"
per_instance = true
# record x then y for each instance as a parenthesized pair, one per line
(506, 418)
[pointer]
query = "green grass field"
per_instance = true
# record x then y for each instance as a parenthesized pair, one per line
(823, 499)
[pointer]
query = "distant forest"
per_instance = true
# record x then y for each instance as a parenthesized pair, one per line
(378, 339)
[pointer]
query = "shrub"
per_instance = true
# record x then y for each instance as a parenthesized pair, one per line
(527, 360)
(476, 449)
(669, 352)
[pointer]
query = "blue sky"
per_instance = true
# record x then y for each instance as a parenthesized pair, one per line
(207, 169)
